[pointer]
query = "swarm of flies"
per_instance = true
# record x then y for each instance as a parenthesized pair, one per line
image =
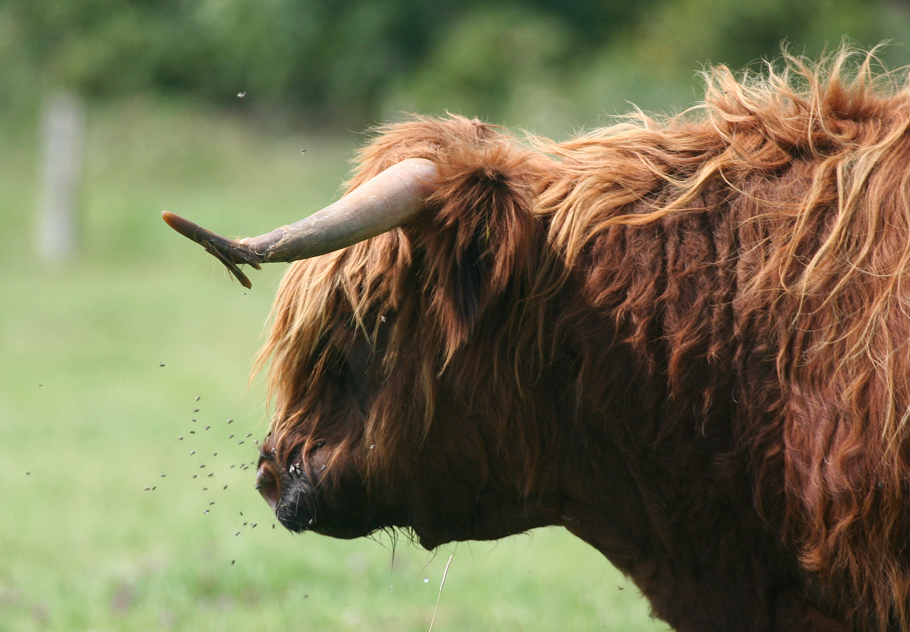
(210, 502)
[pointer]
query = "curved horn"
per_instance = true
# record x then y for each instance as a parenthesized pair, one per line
(393, 198)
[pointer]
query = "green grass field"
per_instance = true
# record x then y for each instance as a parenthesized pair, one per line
(108, 521)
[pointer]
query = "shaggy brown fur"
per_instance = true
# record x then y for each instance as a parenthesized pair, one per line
(684, 340)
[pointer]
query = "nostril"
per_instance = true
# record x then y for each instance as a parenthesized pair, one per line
(268, 485)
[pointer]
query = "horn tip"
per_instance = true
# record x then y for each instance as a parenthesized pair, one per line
(180, 224)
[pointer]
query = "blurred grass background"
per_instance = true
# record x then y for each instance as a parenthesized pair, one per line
(108, 521)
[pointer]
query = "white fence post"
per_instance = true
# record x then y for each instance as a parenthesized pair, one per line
(63, 131)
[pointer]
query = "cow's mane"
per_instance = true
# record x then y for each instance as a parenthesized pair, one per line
(753, 252)
(809, 169)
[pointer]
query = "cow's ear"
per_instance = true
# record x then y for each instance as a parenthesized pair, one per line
(479, 234)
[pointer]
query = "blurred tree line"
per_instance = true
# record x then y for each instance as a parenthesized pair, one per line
(537, 63)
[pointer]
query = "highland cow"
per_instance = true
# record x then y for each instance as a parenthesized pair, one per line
(684, 340)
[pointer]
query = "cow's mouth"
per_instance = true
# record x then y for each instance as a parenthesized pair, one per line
(289, 494)
(302, 504)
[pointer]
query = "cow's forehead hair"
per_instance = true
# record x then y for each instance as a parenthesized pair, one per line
(324, 306)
